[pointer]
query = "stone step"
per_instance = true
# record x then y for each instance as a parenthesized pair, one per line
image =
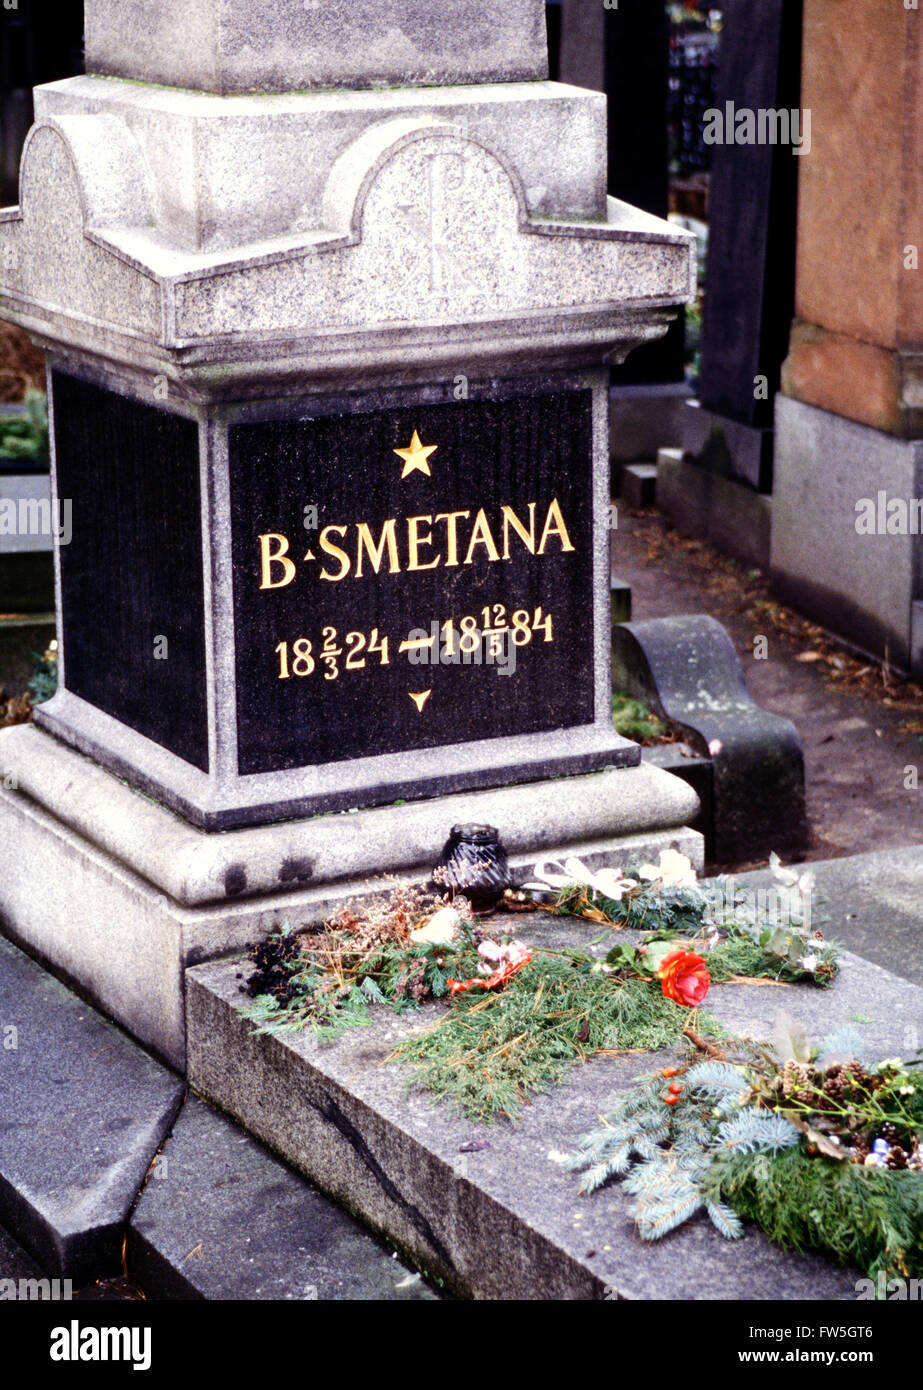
(88, 1122)
(503, 1220)
(84, 1110)
(639, 484)
(221, 1219)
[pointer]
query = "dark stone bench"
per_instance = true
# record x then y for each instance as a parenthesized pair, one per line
(687, 671)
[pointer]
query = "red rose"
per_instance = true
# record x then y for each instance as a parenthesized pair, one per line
(684, 978)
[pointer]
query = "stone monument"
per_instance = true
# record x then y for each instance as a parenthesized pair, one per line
(329, 293)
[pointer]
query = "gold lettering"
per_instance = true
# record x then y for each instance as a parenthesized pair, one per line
(270, 557)
(451, 520)
(481, 536)
(527, 537)
(559, 529)
(376, 553)
(414, 541)
(330, 549)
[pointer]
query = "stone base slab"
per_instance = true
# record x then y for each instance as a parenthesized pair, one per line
(119, 896)
(84, 1112)
(733, 517)
(506, 1222)
(741, 453)
(860, 586)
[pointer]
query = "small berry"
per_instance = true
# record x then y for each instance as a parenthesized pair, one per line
(670, 1071)
(675, 1090)
(670, 1100)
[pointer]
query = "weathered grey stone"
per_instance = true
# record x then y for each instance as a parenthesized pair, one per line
(695, 769)
(506, 1221)
(196, 868)
(220, 168)
(872, 903)
(639, 483)
(221, 1218)
(84, 1111)
(14, 1262)
(91, 256)
(731, 516)
(735, 451)
(687, 670)
(280, 45)
(645, 419)
(861, 586)
(97, 207)
(131, 894)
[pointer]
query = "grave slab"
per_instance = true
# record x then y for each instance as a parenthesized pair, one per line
(871, 902)
(733, 517)
(505, 1222)
(222, 1219)
(639, 484)
(84, 1111)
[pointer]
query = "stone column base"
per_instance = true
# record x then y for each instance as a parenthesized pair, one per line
(843, 548)
(119, 896)
(741, 453)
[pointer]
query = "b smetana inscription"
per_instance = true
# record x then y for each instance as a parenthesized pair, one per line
(411, 577)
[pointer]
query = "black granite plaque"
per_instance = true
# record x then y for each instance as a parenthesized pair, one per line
(464, 528)
(132, 601)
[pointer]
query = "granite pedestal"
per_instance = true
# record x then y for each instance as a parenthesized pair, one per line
(329, 296)
(838, 553)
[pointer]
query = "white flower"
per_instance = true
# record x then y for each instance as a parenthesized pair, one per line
(610, 882)
(674, 870)
(809, 963)
(613, 884)
(804, 882)
(439, 930)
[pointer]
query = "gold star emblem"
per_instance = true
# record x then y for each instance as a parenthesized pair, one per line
(416, 458)
(421, 699)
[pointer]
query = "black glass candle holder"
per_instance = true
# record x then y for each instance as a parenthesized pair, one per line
(474, 863)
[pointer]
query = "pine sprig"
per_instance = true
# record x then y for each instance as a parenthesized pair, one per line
(488, 1056)
(869, 1217)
